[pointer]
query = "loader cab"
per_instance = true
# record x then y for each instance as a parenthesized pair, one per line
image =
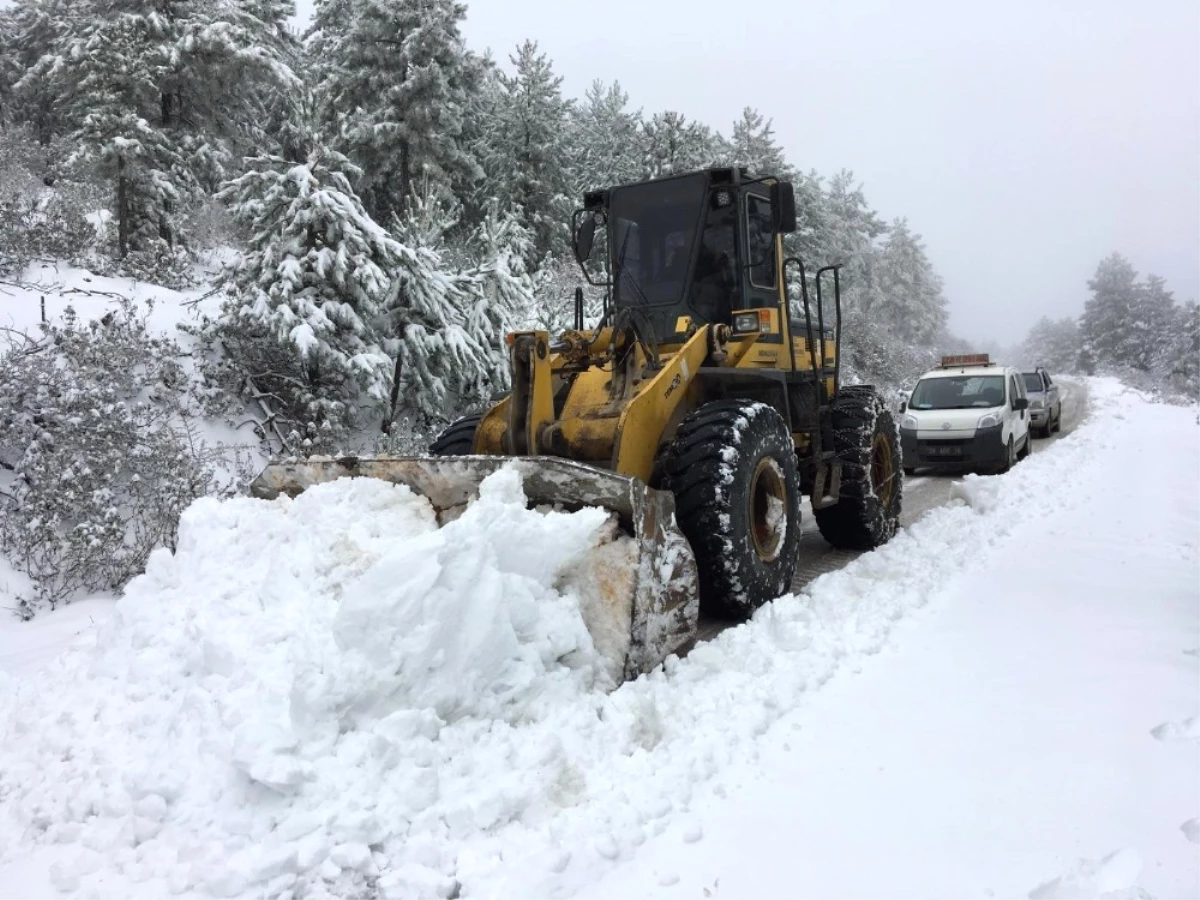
(703, 245)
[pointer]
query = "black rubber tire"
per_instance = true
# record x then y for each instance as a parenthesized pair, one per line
(867, 442)
(1010, 458)
(719, 454)
(458, 438)
(1025, 450)
(1057, 426)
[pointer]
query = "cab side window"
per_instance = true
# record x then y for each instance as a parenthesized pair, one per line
(760, 241)
(1014, 389)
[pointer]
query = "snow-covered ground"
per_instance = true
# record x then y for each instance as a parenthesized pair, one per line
(329, 692)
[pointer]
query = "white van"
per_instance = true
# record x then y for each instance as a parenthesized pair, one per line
(967, 413)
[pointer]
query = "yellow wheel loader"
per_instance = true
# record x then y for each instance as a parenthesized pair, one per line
(697, 411)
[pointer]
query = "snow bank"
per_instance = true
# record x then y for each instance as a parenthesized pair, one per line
(271, 700)
(318, 692)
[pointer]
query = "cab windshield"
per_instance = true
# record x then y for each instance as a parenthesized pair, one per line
(654, 227)
(958, 392)
(1033, 382)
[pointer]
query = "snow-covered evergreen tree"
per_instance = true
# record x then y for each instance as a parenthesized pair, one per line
(605, 138)
(30, 31)
(670, 144)
(158, 94)
(502, 289)
(752, 145)
(395, 79)
(1110, 326)
(909, 295)
(1156, 318)
(313, 281)
(10, 68)
(528, 160)
(440, 364)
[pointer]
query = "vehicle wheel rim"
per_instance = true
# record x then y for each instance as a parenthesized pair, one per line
(768, 509)
(883, 475)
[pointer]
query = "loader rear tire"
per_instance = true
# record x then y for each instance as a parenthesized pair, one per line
(458, 439)
(732, 468)
(867, 513)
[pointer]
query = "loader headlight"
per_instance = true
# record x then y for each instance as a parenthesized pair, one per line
(745, 322)
(991, 420)
(908, 423)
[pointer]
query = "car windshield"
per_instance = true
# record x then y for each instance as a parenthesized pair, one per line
(1033, 381)
(958, 392)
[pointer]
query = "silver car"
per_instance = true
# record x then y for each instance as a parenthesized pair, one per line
(1045, 404)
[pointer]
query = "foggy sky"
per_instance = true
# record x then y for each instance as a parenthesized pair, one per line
(1024, 144)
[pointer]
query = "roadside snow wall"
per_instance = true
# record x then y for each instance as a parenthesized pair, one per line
(269, 699)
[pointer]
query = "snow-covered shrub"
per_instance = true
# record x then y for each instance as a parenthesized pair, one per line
(46, 211)
(98, 456)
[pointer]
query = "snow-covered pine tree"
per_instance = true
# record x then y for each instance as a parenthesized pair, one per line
(1154, 322)
(670, 144)
(502, 290)
(301, 320)
(158, 93)
(1109, 324)
(529, 161)
(605, 139)
(909, 296)
(10, 68)
(752, 145)
(395, 80)
(440, 364)
(35, 30)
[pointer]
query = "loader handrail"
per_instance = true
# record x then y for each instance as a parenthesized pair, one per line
(837, 325)
(812, 352)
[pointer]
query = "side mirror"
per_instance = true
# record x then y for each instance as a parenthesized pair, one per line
(903, 406)
(584, 238)
(1020, 403)
(783, 207)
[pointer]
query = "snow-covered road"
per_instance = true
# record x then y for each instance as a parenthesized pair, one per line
(1032, 732)
(924, 492)
(314, 701)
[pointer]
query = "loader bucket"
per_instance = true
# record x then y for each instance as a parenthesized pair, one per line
(639, 597)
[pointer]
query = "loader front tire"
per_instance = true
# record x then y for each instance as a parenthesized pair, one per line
(867, 513)
(458, 439)
(732, 469)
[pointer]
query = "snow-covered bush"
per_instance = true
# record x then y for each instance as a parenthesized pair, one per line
(46, 211)
(98, 456)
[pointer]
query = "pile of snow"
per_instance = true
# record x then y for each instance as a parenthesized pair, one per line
(329, 696)
(277, 696)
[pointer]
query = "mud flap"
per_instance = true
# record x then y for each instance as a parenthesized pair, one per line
(637, 614)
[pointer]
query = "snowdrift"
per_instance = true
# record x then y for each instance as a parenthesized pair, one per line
(332, 695)
(299, 659)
